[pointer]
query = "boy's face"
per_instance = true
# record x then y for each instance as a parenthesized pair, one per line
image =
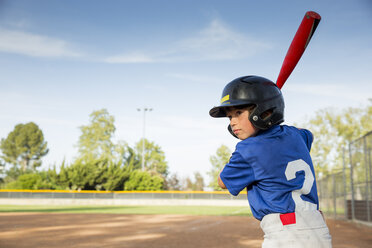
(240, 124)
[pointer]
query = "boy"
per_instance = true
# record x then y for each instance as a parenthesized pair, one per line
(273, 163)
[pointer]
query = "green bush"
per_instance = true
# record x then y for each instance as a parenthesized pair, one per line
(25, 181)
(142, 180)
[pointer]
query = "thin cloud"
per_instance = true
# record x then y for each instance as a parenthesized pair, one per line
(216, 42)
(193, 77)
(219, 42)
(130, 58)
(34, 45)
(346, 92)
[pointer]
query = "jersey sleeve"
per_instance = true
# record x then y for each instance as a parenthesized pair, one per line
(237, 174)
(307, 137)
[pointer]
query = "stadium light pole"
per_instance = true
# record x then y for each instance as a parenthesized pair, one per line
(144, 110)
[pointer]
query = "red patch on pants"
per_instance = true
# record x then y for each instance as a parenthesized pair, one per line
(288, 219)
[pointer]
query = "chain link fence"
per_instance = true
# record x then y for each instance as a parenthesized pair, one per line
(166, 195)
(347, 194)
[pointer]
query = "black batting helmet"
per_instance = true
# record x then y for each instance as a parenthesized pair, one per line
(257, 91)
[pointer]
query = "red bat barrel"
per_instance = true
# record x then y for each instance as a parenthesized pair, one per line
(296, 49)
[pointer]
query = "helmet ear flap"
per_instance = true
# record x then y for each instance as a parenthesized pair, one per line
(257, 119)
(231, 131)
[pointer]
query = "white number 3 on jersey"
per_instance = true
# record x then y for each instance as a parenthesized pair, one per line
(290, 173)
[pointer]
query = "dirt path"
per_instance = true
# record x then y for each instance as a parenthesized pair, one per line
(157, 231)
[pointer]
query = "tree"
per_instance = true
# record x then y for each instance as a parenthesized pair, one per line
(35, 180)
(63, 177)
(195, 184)
(198, 182)
(143, 180)
(2, 169)
(154, 157)
(333, 130)
(25, 181)
(99, 158)
(95, 141)
(115, 177)
(172, 182)
(50, 178)
(82, 176)
(24, 147)
(218, 161)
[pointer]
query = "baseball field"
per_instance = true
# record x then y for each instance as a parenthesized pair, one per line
(147, 226)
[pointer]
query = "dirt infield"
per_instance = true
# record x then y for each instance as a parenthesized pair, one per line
(157, 231)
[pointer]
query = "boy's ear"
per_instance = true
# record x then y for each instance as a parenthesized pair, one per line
(232, 133)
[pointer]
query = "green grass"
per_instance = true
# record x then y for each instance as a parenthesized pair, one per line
(182, 210)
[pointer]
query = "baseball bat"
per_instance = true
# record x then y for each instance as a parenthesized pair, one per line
(299, 43)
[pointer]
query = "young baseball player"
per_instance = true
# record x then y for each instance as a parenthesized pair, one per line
(273, 163)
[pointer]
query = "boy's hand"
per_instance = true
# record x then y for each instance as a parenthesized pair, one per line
(220, 182)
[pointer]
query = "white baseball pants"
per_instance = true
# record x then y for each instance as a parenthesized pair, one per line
(305, 229)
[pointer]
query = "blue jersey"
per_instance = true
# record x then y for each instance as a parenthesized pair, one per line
(276, 169)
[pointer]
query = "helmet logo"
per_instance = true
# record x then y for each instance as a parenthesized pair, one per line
(225, 98)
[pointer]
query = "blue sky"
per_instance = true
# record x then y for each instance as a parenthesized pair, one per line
(61, 60)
